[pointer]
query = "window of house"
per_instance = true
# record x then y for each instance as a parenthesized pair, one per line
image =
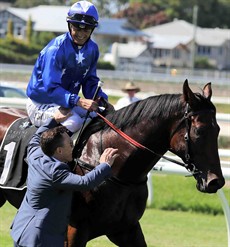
(204, 50)
(157, 53)
(166, 52)
(176, 53)
(19, 31)
(220, 50)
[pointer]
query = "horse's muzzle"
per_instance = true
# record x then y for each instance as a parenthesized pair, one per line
(209, 182)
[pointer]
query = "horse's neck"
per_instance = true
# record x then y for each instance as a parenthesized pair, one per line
(139, 160)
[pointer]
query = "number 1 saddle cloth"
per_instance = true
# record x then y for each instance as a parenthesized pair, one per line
(13, 167)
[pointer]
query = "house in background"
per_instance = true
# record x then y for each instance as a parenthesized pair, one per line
(172, 44)
(112, 30)
(167, 45)
(53, 19)
(46, 18)
(132, 56)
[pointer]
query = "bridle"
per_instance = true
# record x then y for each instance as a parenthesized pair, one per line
(188, 164)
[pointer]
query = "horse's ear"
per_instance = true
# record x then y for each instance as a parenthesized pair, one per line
(207, 91)
(189, 96)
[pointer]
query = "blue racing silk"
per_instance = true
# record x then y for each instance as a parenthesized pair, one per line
(62, 69)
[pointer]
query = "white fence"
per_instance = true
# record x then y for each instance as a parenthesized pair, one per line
(164, 167)
(158, 74)
(13, 102)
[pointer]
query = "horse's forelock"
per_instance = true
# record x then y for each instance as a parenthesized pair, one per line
(202, 103)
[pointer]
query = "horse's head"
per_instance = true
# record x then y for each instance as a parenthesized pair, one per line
(195, 138)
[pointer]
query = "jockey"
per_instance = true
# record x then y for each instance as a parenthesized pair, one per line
(66, 65)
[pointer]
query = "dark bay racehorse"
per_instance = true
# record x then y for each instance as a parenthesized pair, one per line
(183, 123)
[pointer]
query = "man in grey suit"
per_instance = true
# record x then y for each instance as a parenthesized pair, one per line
(42, 218)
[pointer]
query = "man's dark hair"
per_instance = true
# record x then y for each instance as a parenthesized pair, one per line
(51, 139)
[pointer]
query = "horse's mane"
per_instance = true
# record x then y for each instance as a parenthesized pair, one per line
(160, 106)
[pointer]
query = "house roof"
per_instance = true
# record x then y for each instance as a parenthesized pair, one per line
(183, 31)
(45, 17)
(176, 27)
(117, 27)
(169, 41)
(212, 37)
(131, 50)
(53, 19)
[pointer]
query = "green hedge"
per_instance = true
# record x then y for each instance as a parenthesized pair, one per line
(20, 52)
(105, 65)
(8, 56)
(17, 51)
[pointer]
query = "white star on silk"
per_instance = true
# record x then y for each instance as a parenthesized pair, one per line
(76, 84)
(86, 72)
(25, 125)
(80, 57)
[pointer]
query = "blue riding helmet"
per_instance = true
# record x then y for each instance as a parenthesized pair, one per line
(83, 12)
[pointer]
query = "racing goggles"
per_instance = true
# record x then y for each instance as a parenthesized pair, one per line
(80, 26)
(84, 19)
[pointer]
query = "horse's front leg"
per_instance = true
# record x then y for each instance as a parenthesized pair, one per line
(130, 237)
(76, 238)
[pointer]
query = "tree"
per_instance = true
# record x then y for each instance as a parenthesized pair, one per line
(10, 29)
(29, 3)
(143, 15)
(211, 14)
(29, 30)
(104, 7)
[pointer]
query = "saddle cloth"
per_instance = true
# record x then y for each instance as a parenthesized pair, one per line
(13, 168)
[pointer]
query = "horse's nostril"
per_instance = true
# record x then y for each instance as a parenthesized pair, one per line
(209, 183)
(214, 182)
(214, 185)
(211, 177)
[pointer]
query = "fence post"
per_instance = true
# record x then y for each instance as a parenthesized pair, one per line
(226, 210)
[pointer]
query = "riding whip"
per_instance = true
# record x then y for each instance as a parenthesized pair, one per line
(99, 85)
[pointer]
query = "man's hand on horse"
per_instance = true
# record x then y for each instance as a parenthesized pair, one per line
(109, 155)
(88, 104)
(62, 114)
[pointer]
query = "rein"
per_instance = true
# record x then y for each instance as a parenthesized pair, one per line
(135, 143)
(188, 163)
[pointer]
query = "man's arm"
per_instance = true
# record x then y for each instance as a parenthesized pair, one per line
(60, 115)
(64, 179)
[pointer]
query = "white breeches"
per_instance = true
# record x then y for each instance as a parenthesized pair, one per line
(39, 113)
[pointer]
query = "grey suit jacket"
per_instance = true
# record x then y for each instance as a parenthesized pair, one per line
(43, 215)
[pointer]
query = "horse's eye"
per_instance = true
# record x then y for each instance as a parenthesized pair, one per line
(200, 131)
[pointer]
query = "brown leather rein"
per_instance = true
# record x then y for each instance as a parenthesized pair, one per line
(188, 164)
(135, 143)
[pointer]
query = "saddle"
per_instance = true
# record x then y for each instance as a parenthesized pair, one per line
(13, 167)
